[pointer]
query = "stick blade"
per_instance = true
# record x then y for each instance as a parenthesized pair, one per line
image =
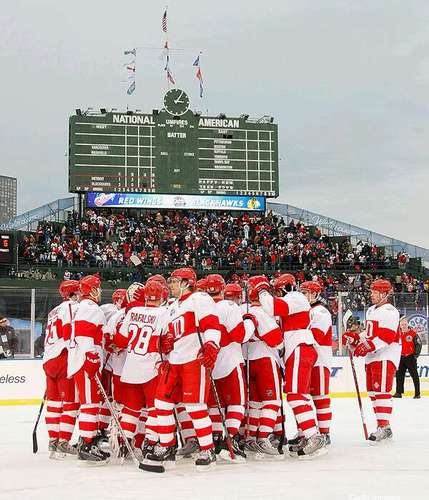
(35, 444)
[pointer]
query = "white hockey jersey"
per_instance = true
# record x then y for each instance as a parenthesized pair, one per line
(86, 335)
(233, 334)
(382, 327)
(267, 340)
(190, 314)
(108, 310)
(115, 361)
(294, 312)
(321, 327)
(140, 332)
(58, 329)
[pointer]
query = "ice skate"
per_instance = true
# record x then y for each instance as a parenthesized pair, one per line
(65, 449)
(251, 445)
(52, 448)
(275, 441)
(296, 444)
(191, 447)
(206, 460)
(162, 455)
(123, 453)
(327, 438)
(313, 447)
(382, 434)
(147, 448)
(268, 450)
(91, 453)
(240, 455)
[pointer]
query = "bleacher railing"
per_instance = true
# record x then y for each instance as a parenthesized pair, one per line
(27, 310)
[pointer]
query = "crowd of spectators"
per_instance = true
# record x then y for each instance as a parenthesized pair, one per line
(207, 241)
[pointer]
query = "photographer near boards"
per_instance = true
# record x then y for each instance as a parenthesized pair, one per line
(8, 339)
(411, 348)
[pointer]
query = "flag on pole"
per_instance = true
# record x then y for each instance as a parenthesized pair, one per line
(199, 74)
(131, 88)
(164, 21)
(170, 78)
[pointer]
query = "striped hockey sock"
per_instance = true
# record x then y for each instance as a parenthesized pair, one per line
(53, 415)
(304, 414)
(68, 420)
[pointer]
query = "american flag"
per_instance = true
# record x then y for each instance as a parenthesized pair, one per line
(170, 78)
(164, 21)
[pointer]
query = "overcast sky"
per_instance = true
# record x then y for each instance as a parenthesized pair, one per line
(346, 80)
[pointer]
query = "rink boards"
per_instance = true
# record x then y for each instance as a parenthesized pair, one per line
(23, 382)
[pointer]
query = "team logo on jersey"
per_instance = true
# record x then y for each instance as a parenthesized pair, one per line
(409, 338)
(418, 322)
(376, 385)
(269, 392)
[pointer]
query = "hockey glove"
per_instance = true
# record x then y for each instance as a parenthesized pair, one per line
(252, 318)
(207, 354)
(262, 286)
(364, 347)
(166, 343)
(351, 338)
(91, 364)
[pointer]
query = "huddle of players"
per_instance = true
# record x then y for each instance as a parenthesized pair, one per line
(156, 347)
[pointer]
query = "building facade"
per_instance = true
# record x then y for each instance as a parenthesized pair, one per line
(7, 197)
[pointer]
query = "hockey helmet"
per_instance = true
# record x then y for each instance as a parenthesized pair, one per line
(215, 284)
(68, 288)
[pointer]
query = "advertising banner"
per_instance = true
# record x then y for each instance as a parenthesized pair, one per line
(23, 381)
(175, 201)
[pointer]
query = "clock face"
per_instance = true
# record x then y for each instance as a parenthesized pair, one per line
(176, 102)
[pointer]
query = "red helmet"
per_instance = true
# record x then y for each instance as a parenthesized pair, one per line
(159, 278)
(87, 283)
(135, 292)
(251, 284)
(310, 286)
(185, 273)
(202, 284)
(381, 285)
(284, 280)
(153, 291)
(215, 283)
(68, 287)
(232, 291)
(120, 295)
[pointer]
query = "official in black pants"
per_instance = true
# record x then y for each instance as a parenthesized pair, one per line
(411, 348)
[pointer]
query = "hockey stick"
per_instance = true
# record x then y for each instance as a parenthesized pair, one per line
(347, 315)
(150, 468)
(282, 414)
(216, 395)
(247, 426)
(35, 444)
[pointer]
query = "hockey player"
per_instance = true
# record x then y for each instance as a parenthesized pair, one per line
(192, 343)
(140, 334)
(381, 347)
(321, 327)
(112, 362)
(228, 372)
(264, 375)
(84, 363)
(61, 403)
(300, 355)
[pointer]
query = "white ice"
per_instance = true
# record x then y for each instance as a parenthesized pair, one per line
(351, 470)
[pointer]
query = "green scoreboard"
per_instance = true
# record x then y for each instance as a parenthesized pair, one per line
(173, 151)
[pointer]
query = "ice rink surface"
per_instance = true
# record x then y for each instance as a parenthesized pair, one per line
(351, 470)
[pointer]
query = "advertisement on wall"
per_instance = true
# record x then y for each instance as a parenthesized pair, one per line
(23, 381)
(173, 201)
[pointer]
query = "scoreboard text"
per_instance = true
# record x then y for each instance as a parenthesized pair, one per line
(161, 153)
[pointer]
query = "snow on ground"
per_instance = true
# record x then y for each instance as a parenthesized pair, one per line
(351, 470)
